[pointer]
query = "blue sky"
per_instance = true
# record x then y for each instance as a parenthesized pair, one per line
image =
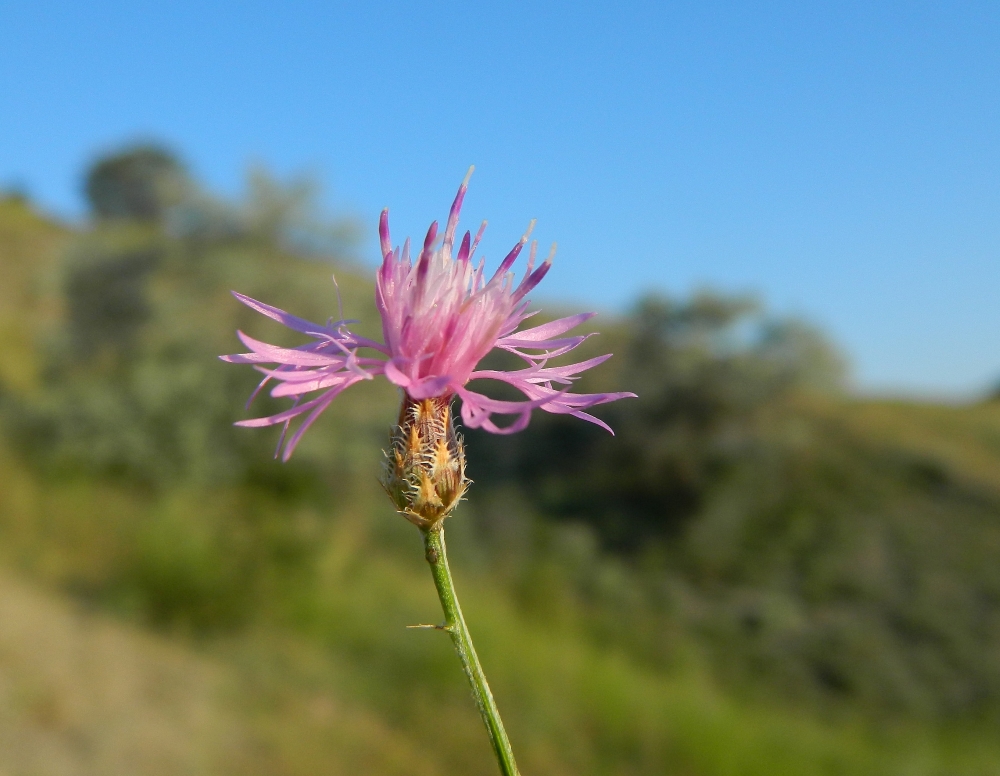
(840, 159)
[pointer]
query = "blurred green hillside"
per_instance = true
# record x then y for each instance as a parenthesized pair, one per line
(757, 575)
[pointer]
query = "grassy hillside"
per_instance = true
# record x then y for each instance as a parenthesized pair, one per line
(755, 576)
(333, 682)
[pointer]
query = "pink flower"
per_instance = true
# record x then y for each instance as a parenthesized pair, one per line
(440, 317)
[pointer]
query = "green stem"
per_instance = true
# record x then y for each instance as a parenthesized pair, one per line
(459, 632)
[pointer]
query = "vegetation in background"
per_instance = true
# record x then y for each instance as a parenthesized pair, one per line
(757, 575)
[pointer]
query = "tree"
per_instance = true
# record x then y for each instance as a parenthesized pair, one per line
(139, 183)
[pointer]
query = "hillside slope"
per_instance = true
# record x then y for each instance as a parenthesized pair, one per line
(83, 694)
(750, 578)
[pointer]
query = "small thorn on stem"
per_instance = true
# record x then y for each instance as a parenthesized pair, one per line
(425, 626)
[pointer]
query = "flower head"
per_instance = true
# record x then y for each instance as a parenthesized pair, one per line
(441, 316)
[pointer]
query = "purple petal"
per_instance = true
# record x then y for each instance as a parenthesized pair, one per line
(568, 403)
(289, 320)
(257, 390)
(511, 257)
(323, 403)
(565, 343)
(383, 233)
(542, 397)
(596, 421)
(547, 330)
(463, 251)
(296, 388)
(245, 358)
(569, 370)
(540, 372)
(503, 407)
(394, 375)
(294, 441)
(477, 409)
(280, 417)
(456, 208)
(428, 387)
(424, 259)
(475, 242)
(534, 278)
(287, 355)
(518, 425)
(353, 340)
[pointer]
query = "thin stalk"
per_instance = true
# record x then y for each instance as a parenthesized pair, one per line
(459, 632)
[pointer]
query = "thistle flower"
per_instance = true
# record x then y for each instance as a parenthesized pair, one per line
(441, 316)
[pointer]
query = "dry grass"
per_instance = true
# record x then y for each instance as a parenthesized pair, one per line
(83, 694)
(80, 694)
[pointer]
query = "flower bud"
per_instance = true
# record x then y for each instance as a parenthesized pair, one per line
(424, 470)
